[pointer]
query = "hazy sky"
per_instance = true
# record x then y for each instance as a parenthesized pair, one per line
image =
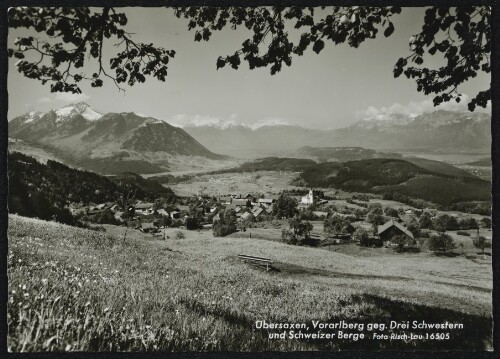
(329, 90)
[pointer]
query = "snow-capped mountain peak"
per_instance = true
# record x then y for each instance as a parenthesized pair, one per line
(223, 124)
(80, 108)
(33, 116)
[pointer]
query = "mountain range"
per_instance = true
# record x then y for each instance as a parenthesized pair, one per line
(436, 131)
(107, 143)
(118, 142)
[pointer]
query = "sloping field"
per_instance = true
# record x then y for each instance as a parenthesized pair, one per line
(76, 289)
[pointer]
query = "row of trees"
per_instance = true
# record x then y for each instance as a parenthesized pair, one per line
(444, 243)
(445, 222)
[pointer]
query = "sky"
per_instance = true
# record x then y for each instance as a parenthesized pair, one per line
(334, 89)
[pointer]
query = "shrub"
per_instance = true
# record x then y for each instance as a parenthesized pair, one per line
(481, 243)
(371, 242)
(179, 235)
(360, 234)
(288, 236)
(391, 212)
(486, 222)
(176, 223)
(404, 244)
(462, 233)
(192, 223)
(441, 242)
(222, 229)
(226, 224)
(285, 206)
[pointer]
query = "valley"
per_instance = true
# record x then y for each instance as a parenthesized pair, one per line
(135, 225)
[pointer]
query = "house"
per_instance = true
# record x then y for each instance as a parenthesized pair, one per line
(257, 211)
(248, 196)
(183, 209)
(241, 202)
(115, 207)
(77, 211)
(147, 227)
(118, 216)
(101, 206)
(245, 215)
(224, 199)
(308, 198)
(143, 206)
(408, 211)
(265, 201)
(94, 210)
(175, 214)
(391, 229)
(162, 212)
(320, 214)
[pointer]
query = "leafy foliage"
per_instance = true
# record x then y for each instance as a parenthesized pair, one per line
(226, 225)
(83, 32)
(398, 179)
(299, 227)
(45, 190)
(403, 244)
(481, 242)
(288, 236)
(285, 206)
(461, 35)
(441, 242)
(444, 223)
(337, 225)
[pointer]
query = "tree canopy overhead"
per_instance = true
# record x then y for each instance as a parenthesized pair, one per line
(70, 37)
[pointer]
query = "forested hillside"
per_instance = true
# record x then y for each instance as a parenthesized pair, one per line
(437, 184)
(45, 190)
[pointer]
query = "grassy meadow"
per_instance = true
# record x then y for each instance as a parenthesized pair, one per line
(73, 289)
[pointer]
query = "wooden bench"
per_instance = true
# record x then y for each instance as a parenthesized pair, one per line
(256, 261)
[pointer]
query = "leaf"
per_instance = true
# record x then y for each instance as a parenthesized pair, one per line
(390, 29)
(318, 46)
(220, 63)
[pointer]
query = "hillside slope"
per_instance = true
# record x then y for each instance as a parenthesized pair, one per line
(45, 190)
(162, 295)
(418, 178)
(110, 143)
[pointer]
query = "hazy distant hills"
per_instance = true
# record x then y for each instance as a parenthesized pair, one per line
(330, 154)
(118, 142)
(244, 141)
(110, 143)
(436, 131)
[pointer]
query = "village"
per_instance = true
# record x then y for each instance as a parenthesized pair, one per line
(311, 219)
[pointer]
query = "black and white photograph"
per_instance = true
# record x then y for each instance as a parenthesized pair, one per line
(249, 179)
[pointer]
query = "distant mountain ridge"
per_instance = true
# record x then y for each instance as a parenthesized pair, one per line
(434, 131)
(112, 140)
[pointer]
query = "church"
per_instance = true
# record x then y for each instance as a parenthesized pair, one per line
(308, 198)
